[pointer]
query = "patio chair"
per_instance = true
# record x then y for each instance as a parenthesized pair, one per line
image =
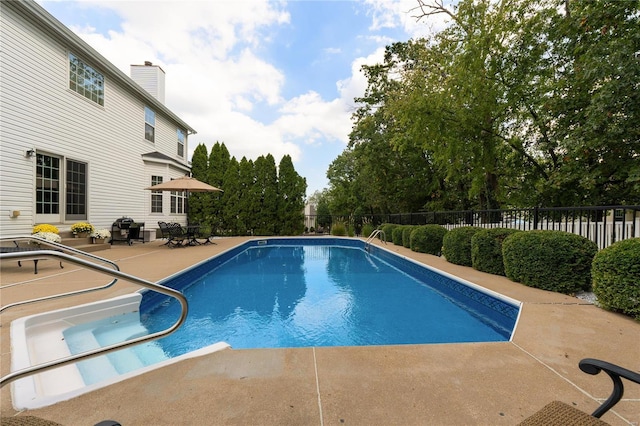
(559, 413)
(164, 231)
(177, 235)
(173, 233)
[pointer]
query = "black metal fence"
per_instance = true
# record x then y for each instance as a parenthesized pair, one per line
(602, 224)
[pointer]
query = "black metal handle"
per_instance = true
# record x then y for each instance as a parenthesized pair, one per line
(595, 366)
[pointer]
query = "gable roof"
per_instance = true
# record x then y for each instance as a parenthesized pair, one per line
(56, 29)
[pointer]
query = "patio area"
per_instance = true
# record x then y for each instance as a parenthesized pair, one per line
(446, 384)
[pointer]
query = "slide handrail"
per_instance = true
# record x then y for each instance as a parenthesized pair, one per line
(19, 374)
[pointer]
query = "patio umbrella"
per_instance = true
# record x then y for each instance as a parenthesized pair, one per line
(186, 184)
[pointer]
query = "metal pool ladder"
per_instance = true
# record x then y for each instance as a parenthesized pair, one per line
(115, 273)
(374, 234)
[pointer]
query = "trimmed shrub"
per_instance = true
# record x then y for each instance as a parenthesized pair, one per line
(549, 260)
(486, 249)
(338, 229)
(428, 239)
(616, 277)
(367, 230)
(388, 228)
(396, 235)
(456, 245)
(406, 235)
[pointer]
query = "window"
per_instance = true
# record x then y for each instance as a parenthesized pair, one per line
(86, 81)
(149, 124)
(76, 193)
(178, 201)
(156, 196)
(47, 184)
(180, 143)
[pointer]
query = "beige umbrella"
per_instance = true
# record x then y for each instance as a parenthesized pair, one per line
(186, 184)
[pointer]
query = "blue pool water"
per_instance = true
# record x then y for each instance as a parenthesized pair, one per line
(312, 292)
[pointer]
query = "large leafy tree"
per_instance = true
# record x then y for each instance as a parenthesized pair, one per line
(597, 105)
(455, 104)
(516, 103)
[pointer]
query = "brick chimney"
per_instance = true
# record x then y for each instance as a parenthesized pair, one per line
(151, 78)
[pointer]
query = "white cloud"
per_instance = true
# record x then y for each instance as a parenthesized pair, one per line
(217, 78)
(404, 14)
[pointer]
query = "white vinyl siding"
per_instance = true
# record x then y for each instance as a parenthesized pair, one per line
(40, 112)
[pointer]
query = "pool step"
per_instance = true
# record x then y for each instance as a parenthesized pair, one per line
(93, 370)
(121, 329)
(136, 356)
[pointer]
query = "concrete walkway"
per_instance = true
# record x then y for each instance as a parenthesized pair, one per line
(452, 384)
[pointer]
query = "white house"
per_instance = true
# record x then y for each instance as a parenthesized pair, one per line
(79, 139)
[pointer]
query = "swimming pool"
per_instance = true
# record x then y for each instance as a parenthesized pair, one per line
(282, 295)
(294, 292)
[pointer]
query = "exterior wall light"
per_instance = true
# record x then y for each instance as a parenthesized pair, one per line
(30, 153)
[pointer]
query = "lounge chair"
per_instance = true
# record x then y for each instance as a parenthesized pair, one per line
(559, 413)
(18, 249)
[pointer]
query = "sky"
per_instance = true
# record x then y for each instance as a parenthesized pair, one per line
(262, 77)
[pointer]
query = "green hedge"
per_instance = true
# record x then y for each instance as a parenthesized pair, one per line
(456, 245)
(550, 260)
(486, 249)
(388, 228)
(367, 230)
(406, 235)
(616, 277)
(427, 239)
(396, 235)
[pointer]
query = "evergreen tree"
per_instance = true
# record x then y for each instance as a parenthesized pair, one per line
(266, 191)
(291, 192)
(247, 204)
(231, 198)
(198, 204)
(219, 160)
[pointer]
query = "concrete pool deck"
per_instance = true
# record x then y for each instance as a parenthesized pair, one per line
(452, 384)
